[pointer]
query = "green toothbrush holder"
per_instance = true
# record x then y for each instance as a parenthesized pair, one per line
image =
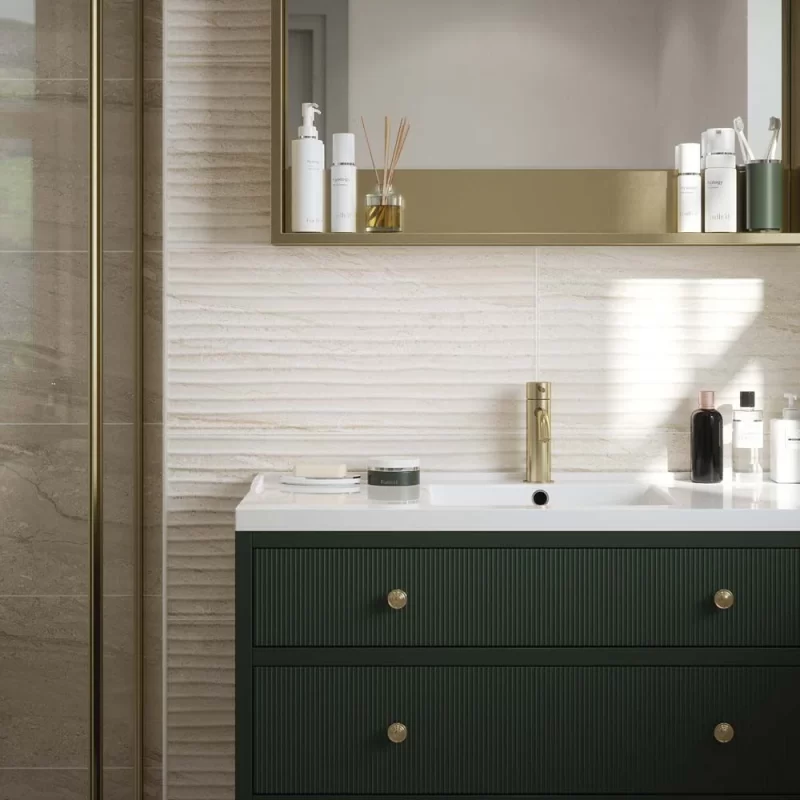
(764, 196)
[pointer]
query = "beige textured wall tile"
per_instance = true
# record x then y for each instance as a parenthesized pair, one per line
(218, 145)
(630, 335)
(201, 726)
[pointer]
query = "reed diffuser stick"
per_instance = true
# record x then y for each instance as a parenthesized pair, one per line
(402, 135)
(393, 160)
(371, 157)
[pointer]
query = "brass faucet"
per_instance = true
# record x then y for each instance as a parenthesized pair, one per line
(539, 433)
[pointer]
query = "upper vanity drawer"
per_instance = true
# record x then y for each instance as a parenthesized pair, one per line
(526, 597)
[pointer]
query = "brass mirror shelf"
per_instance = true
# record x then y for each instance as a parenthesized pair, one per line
(535, 239)
(534, 207)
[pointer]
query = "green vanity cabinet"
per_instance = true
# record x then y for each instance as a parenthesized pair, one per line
(525, 665)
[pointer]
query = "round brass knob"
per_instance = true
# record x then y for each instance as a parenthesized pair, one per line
(397, 599)
(397, 733)
(724, 599)
(724, 732)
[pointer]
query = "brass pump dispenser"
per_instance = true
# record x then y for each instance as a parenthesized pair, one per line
(539, 430)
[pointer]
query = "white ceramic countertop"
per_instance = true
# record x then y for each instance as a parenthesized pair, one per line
(765, 506)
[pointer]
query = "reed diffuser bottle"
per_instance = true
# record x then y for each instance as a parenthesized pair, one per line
(384, 212)
(385, 208)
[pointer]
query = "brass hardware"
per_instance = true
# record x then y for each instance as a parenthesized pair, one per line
(397, 599)
(538, 434)
(397, 733)
(96, 399)
(724, 732)
(538, 239)
(582, 207)
(724, 599)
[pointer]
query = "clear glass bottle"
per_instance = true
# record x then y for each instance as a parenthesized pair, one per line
(748, 439)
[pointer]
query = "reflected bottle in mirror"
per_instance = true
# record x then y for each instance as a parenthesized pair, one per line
(706, 441)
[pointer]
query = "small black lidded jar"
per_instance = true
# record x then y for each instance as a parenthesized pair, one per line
(393, 471)
(706, 444)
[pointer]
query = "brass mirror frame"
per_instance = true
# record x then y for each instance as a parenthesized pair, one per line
(617, 207)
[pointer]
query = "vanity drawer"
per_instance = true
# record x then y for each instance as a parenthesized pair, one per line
(525, 730)
(525, 597)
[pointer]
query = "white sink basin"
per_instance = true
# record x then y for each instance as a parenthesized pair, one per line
(565, 496)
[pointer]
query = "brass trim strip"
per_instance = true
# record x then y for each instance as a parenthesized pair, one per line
(791, 110)
(138, 413)
(96, 400)
(279, 212)
(562, 207)
(535, 239)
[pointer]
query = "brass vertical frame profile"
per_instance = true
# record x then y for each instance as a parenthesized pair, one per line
(280, 214)
(138, 400)
(96, 399)
(552, 215)
(791, 111)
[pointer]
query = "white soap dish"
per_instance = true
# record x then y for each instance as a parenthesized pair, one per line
(293, 480)
(320, 491)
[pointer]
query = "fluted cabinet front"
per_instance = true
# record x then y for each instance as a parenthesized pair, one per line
(525, 597)
(525, 730)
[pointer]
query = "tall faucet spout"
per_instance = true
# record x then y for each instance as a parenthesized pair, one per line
(539, 433)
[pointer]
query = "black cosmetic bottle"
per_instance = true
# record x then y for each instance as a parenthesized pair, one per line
(706, 441)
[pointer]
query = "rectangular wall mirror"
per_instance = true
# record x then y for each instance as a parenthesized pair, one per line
(534, 120)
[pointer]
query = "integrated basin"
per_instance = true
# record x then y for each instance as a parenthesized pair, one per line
(565, 496)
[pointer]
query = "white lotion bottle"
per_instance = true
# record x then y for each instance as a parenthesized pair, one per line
(785, 444)
(720, 181)
(690, 188)
(344, 198)
(308, 176)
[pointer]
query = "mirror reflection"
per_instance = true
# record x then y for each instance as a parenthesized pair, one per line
(535, 84)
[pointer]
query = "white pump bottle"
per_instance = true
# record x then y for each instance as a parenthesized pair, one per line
(308, 176)
(785, 444)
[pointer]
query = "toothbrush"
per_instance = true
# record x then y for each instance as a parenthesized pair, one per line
(747, 152)
(775, 127)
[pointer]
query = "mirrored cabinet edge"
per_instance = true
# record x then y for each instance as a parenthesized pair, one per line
(614, 208)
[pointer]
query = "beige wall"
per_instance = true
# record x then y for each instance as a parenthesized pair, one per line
(510, 84)
(701, 76)
(278, 353)
(617, 87)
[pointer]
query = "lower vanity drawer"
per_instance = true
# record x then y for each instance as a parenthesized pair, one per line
(525, 730)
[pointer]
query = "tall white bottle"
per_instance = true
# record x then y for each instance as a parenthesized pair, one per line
(690, 189)
(720, 181)
(308, 176)
(344, 198)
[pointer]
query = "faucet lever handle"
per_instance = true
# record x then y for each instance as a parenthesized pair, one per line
(542, 425)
